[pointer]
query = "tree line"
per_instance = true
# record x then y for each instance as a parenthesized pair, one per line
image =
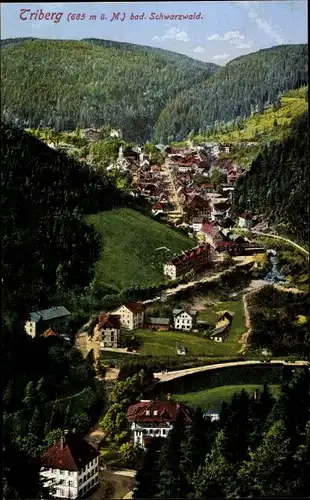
(260, 447)
(277, 182)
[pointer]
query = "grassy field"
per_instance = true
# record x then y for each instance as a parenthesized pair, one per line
(211, 399)
(133, 250)
(160, 343)
(262, 128)
(165, 343)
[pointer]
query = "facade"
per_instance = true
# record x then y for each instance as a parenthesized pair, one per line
(151, 419)
(184, 320)
(54, 318)
(197, 223)
(191, 260)
(220, 334)
(245, 221)
(131, 315)
(162, 324)
(70, 467)
(109, 331)
(211, 233)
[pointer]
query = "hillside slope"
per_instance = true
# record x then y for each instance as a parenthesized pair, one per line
(277, 183)
(134, 248)
(274, 123)
(64, 84)
(45, 196)
(242, 85)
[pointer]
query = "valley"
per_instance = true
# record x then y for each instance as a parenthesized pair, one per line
(162, 219)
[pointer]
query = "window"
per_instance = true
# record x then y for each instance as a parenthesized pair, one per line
(62, 472)
(53, 471)
(61, 481)
(61, 493)
(70, 483)
(70, 473)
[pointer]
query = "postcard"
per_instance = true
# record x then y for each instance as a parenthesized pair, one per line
(155, 249)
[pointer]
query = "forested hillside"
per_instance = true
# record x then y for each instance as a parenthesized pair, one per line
(47, 249)
(259, 448)
(45, 196)
(242, 86)
(64, 84)
(277, 183)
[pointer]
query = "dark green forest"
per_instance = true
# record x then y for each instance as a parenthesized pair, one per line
(45, 239)
(277, 184)
(64, 84)
(259, 448)
(147, 92)
(47, 249)
(244, 85)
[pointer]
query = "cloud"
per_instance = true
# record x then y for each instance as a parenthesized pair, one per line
(220, 56)
(234, 38)
(247, 45)
(267, 27)
(199, 50)
(174, 34)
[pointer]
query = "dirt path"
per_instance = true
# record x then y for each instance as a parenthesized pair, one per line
(284, 239)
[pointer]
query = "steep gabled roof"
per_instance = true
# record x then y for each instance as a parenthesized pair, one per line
(73, 455)
(135, 307)
(167, 411)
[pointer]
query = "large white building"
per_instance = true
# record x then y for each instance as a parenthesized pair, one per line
(39, 321)
(184, 320)
(130, 315)
(150, 419)
(70, 467)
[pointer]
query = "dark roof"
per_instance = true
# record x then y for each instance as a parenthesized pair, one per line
(167, 411)
(218, 331)
(190, 254)
(225, 315)
(48, 314)
(73, 456)
(135, 307)
(159, 321)
(109, 321)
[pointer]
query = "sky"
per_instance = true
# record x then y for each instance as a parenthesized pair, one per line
(213, 31)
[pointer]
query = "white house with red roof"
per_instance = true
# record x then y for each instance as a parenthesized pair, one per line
(131, 315)
(70, 467)
(150, 419)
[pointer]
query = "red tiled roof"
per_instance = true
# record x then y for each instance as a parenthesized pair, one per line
(135, 307)
(204, 247)
(210, 228)
(109, 321)
(73, 456)
(157, 206)
(198, 202)
(167, 411)
(49, 333)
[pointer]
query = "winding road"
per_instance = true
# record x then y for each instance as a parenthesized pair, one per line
(165, 377)
(282, 238)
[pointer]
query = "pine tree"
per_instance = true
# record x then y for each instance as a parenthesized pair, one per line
(8, 396)
(41, 396)
(172, 483)
(35, 423)
(264, 473)
(147, 476)
(30, 395)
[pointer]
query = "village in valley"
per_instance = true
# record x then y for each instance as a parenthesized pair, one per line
(191, 190)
